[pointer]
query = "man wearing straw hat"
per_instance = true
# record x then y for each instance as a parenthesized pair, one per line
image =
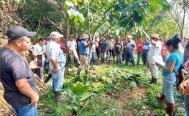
(153, 56)
(83, 53)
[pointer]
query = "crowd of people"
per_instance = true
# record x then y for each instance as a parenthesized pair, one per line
(82, 51)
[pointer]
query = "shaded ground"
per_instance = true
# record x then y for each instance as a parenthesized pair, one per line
(112, 93)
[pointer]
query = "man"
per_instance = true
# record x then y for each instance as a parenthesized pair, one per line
(139, 48)
(57, 64)
(38, 52)
(93, 55)
(154, 55)
(129, 50)
(111, 51)
(146, 48)
(16, 76)
(84, 53)
(103, 49)
(72, 47)
(118, 49)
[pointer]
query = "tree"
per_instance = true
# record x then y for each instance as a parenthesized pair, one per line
(178, 12)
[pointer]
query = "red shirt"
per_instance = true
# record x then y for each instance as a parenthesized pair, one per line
(139, 46)
(63, 46)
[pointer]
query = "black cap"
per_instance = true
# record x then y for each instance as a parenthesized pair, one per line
(18, 31)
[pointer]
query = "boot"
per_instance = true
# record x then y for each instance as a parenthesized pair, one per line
(154, 80)
(86, 72)
(170, 109)
(161, 98)
(78, 72)
(58, 97)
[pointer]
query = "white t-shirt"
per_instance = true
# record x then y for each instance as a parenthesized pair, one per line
(154, 53)
(111, 44)
(93, 48)
(71, 44)
(39, 50)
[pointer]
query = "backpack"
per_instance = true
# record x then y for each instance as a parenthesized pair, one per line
(179, 75)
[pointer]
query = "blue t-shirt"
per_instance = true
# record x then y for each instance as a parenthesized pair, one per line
(104, 46)
(146, 47)
(82, 49)
(174, 57)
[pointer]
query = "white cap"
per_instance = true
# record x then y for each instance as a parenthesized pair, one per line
(56, 35)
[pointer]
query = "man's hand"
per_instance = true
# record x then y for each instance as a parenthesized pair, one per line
(25, 88)
(33, 64)
(34, 99)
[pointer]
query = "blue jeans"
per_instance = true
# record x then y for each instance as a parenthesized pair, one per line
(168, 84)
(119, 59)
(58, 79)
(93, 58)
(129, 58)
(186, 104)
(103, 57)
(28, 110)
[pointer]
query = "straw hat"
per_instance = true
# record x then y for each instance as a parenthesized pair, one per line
(84, 36)
(155, 35)
(129, 36)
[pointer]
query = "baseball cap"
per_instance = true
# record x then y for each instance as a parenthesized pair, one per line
(56, 34)
(15, 32)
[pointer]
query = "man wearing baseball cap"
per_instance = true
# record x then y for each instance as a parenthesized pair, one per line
(57, 60)
(16, 76)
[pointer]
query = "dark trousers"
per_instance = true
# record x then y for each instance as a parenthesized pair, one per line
(144, 58)
(138, 57)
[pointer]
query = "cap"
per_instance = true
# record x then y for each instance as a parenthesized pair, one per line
(17, 31)
(56, 35)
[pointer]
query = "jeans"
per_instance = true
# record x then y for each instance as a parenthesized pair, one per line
(58, 79)
(119, 59)
(186, 104)
(103, 57)
(93, 58)
(168, 84)
(138, 57)
(129, 58)
(28, 110)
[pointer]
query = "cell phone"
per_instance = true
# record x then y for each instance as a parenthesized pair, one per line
(39, 60)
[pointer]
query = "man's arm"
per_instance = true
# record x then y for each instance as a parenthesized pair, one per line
(24, 87)
(54, 63)
(153, 42)
(89, 45)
